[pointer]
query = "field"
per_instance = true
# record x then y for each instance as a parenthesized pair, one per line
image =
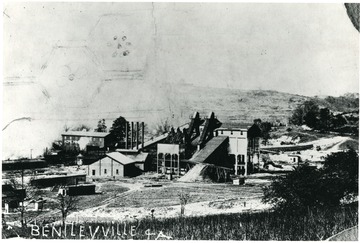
(204, 199)
(316, 224)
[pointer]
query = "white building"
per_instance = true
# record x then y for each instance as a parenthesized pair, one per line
(114, 164)
(244, 145)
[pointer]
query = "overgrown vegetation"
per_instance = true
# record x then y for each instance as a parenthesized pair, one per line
(308, 186)
(315, 224)
(322, 118)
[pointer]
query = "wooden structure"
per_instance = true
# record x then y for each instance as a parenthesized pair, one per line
(114, 164)
(168, 159)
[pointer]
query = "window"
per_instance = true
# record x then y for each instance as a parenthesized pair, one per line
(93, 172)
(117, 171)
(241, 133)
(222, 132)
(231, 132)
(105, 171)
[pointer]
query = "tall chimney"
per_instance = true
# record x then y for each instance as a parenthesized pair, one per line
(132, 134)
(126, 135)
(137, 135)
(142, 135)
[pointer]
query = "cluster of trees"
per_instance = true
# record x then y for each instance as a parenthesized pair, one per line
(101, 127)
(308, 186)
(309, 113)
(118, 132)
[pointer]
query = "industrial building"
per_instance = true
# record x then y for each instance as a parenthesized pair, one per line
(244, 142)
(206, 141)
(76, 190)
(82, 139)
(114, 164)
(11, 197)
(55, 180)
(294, 158)
(22, 164)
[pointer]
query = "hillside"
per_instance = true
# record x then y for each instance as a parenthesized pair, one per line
(150, 102)
(243, 106)
(233, 105)
(346, 103)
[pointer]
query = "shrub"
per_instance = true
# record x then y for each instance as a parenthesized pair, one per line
(308, 186)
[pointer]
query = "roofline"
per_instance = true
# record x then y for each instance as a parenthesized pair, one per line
(107, 155)
(85, 135)
(128, 150)
(231, 129)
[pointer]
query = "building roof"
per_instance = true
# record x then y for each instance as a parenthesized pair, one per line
(231, 129)
(152, 141)
(210, 147)
(294, 155)
(159, 138)
(45, 177)
(126, 151)
(141, 157)
(120, 158)
(235, 126)
(85, 134)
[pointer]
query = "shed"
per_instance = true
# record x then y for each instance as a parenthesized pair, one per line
(113, 164)
(141, 160)
(54, 180)
(11, 197)
(294, 158)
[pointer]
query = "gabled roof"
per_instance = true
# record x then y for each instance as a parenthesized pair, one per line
(153, 140)
(294, 155)
(209, 148)
(235, 126)
(120, 158)
(85, 134)
(141, 157)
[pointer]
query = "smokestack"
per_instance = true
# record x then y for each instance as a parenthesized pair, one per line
(126, 135)
(132, 134)
(137, 135)
(142, 135)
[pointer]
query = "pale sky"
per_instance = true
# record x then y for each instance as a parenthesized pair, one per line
(76, 63)
(308, 49)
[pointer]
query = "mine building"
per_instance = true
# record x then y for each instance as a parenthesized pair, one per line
(114, 164)
(244, 142)
(206, 141)
(22, 164)
(11, 197)
(294, 158)
(56, 180)
(76, 190)
(82, 139)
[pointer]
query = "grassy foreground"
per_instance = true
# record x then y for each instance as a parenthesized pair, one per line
(316, 224)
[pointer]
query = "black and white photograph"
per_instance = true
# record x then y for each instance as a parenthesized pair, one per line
(180, 121)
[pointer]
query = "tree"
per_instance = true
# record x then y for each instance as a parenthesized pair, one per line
(81, 127)
(101, 127)
(306, 113)
(265, 131)
(184, 198)
(118, 130)
(294, 191)
(29, 192)
(66, 204)
(311, 187)
(325, 119)
(342, 168)
(163, 127)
